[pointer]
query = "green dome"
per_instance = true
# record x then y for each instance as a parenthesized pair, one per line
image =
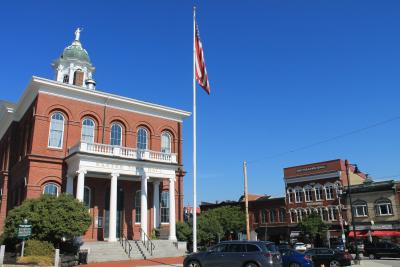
(76, 51)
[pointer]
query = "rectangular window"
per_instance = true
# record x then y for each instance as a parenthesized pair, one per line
(308, 195)
(384, 209)
(329, 193)
(164, 207)
(318, 193)
(272, 216)
(299, 195)
(282, 213)
(361, 211)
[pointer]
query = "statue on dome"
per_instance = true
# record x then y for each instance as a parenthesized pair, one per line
(78, 34)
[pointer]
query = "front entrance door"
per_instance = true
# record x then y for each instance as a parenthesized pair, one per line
(120, 213)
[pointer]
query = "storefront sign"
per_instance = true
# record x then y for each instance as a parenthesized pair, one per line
(315, 168)
(373, 227)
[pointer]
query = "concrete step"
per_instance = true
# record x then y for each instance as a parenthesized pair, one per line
(105, 251)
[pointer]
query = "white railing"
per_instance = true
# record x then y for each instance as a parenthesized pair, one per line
(123, 152)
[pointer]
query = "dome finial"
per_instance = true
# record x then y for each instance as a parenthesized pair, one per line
(78, 33)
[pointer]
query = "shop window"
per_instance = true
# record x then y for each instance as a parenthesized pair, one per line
(164, 207)
(56, 130)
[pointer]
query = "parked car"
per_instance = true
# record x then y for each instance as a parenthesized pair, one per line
(329, 257)
(235, 254)
(293, 258)
(338, 246)
(381, 249)
(299, 246)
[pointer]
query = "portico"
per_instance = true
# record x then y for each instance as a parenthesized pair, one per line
(145, 170)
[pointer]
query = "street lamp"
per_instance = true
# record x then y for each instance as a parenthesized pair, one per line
(356, 171)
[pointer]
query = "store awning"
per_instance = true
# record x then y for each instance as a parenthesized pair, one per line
(359, 233)
(375, 233)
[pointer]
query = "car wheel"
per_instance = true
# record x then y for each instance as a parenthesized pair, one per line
(334, 264)
(371, 256)
(294, 265)
(193, 263)
(250, 264)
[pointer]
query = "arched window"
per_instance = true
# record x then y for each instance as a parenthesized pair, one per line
(318, 192)
(289, 194)
(272, 216)
(87, 131)
(360, 208)
(308, 193)
(66, 78)
(329, 191)
(86, 196)
(282, 215)
(138, 196)
(116, 135)
(166, 143)
(263, 216)
(142, 138)
(164, 207)
(51, 189)
(383, 207)
(78, 78)
(56, 130)
(298, 194)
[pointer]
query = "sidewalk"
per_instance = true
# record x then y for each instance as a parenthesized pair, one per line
(172, 262)
(368, 263)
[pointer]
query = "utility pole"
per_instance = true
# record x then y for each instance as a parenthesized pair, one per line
(246, 200)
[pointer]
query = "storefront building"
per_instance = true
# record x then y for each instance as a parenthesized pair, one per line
(376, 210)
(120, 156)
(315, 188)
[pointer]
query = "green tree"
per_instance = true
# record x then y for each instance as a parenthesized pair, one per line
(231, 218)
(51, 217)
(313, 227)
(209, 227)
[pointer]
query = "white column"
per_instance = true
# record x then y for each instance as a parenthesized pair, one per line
(70, 184)
(172, 230)
(113, 208)
(156, 203)
(80, 185)
(143, 207)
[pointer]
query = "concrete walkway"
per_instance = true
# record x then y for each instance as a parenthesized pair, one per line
(369, 263)
(172, 262)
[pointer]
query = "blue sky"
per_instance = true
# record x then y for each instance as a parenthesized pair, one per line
(283, 74)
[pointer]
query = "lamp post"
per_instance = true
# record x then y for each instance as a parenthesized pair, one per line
(347, 165)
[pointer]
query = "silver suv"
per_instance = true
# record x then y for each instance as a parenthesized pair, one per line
(235, 254)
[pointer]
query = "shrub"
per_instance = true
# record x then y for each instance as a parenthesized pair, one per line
(183, 231)
(36, 260)
(38, 248)
(51, 217)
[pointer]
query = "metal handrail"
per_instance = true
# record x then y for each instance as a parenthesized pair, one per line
(126, 245)
(147, 241)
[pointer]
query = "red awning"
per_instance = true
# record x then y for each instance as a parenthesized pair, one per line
(375, 233)
(386, 233)
(359, 233)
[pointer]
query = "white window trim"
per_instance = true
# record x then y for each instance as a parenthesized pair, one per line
(298, 190)
(147, 138)
(94, 129)
(46, 184)
(170, 142)
(90, 195)
(122, 135)
(326, 192)
(377, 206)
(62, 136)
(305, 194)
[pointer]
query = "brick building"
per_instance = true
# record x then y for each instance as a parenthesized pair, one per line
(314, 188)
(120, 156)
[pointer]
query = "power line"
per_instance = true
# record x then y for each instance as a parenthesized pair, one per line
(325, 140)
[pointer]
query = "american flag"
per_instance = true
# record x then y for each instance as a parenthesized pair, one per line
(201, 72)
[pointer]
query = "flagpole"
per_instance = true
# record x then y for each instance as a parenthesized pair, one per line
(194, 137)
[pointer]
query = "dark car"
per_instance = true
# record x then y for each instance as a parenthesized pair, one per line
(235, 254)
(293, 258)
(329, 257)
(352, 247)
(381, 249)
